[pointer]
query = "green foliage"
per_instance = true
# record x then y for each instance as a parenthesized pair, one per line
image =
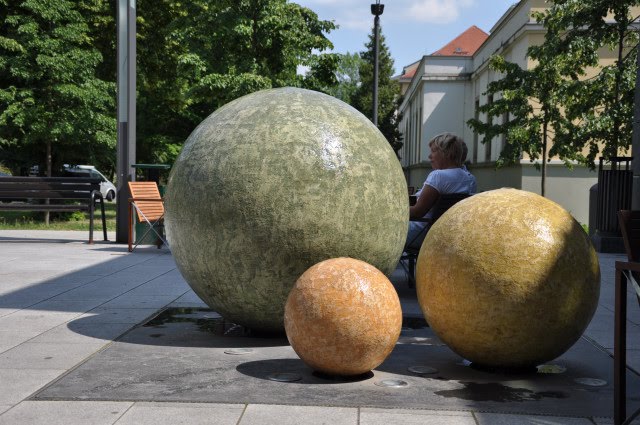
(554, 102)
(58, 71)
(348, 76)
(531, 99)
(389, 97)
(34, 220)
(600, 108)
(49, 92)
(196, 56)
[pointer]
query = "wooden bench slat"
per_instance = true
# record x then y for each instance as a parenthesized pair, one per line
(17, 206)
(66, 187)
(48, 179)
(81, 191)
(148, 206)
(44, 185)
(44, 194)
(152, 212)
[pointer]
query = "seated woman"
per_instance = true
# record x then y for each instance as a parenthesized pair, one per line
(447, 156)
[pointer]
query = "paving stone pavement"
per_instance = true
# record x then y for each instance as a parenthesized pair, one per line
(63, 303)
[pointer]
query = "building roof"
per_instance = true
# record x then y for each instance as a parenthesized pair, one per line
(465, 44)
(409, 71)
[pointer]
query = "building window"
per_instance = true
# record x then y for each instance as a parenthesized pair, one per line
(503, 141)
(419, 121)
(476, 115)
(409, 140)
(487, 145)
(416, 133)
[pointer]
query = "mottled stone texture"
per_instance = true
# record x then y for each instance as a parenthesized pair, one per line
(343, 317)
(273, 183)
(508, 278)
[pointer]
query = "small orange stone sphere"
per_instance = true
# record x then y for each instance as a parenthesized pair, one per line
(343, 317)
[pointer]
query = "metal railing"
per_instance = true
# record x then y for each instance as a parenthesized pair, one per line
(614, 192)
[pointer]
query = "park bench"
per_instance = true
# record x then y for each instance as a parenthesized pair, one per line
(53, 194)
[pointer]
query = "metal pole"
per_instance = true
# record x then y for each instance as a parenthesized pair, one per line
(635, 139)
(376, 9)
(126, 146)
(376, 48)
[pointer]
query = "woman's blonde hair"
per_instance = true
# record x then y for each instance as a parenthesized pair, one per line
(451, 146)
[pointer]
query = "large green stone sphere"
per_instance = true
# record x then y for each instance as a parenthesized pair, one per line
(508, 278)
(269, 185)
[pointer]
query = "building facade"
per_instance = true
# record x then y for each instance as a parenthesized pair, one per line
(444, 90)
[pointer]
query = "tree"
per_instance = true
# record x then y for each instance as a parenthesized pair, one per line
(196, 56)
(53, 108)
(389, 97)
(58, 71)
(530, 99)
(348, 76)
(601, 107)
(554, 110)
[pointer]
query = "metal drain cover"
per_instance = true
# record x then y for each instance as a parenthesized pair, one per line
(423, 370)
(238, 351)
(591, 382)
(284, 377)
(418, 340)
(392, 383)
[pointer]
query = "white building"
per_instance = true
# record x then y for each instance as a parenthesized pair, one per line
(443, 91)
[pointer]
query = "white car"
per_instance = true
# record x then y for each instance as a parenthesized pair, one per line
(107, 188)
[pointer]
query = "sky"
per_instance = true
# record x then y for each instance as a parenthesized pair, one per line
(412, 28)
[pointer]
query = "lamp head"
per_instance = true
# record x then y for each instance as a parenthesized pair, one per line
(377, 8)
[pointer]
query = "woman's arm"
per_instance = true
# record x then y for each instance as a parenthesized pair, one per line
(425, 201)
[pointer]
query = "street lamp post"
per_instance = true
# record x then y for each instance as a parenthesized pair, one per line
(126, 146)
(376, 10)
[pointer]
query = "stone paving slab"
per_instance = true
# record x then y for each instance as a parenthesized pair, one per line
(19, 384)
(64, 413)
(184, 360)
(34, 292)
(376, 416)
(178, 413)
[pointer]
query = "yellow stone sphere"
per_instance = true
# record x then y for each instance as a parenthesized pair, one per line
(343, 317)
(508, 278)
